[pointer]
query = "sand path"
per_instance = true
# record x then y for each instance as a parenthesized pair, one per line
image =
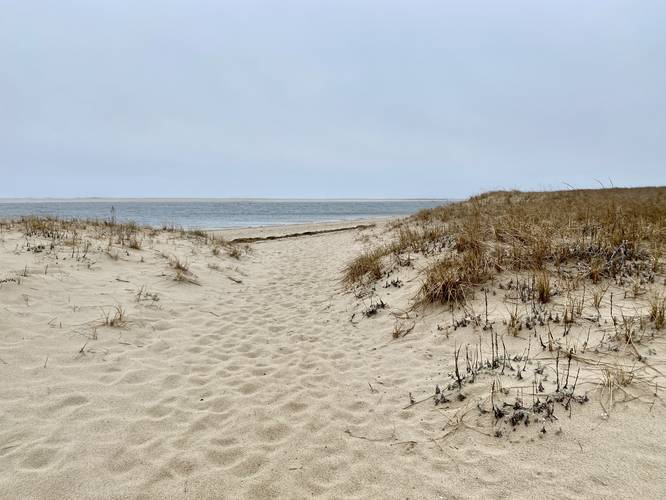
(259, 389)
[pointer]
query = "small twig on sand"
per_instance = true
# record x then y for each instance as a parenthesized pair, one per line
(417, 402)
(390, 438)
(81, 351)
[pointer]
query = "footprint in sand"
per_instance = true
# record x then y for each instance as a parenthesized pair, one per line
(39, 458)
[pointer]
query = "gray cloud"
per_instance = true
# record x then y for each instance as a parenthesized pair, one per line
(317, 99)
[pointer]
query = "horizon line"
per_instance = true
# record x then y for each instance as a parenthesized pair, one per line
(193, 199)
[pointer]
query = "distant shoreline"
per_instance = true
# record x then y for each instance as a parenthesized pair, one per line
(211, 200)
(218, 215)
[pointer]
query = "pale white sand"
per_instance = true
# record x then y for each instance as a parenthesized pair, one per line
(264, 388)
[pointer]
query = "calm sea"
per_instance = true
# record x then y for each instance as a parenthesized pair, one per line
(216, 214)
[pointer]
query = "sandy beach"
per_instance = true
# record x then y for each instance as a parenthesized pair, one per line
(256, 375)
(332, 250)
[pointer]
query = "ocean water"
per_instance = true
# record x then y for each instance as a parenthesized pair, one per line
(216, 214)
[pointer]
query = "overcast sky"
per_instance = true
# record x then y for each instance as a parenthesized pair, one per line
(329, 98)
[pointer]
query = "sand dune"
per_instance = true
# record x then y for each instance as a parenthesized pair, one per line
(263, 379)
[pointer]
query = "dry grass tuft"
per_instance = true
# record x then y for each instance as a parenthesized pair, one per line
(658, 311)
(543, 287)
(185, 277)
(179, 265)
(452, 278)
(616, 377)
(183, 273)
(598, 296)
(135, 243)
(234, 252)
(198, 233)
(118, 319)
(366, 266)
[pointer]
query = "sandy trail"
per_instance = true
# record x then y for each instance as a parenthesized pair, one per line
(260, 387)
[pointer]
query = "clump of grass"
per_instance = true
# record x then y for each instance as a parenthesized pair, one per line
(179, 265)
(596, 270)
(368, 265)
(616, 377)
(626, 329)
(598, 296)
(515, 323)
(400, 329)
(134, 243)
(185, 277)
(444, 282)
(183, 273)
(658, 311)
(543, 287)
(453, 277)
(118, 319)
(450, 279)
(198, 233)
(234, 252)
(420, 240)
(657, 254)
(143, 294)
(124, 233)
(569, 311)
